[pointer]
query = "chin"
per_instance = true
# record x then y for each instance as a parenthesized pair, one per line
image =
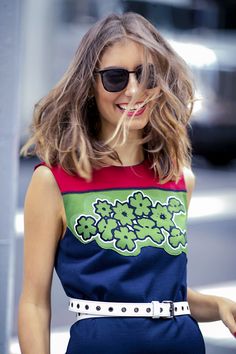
(137, 123)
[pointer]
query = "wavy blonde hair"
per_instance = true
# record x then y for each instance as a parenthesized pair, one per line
(66, 123)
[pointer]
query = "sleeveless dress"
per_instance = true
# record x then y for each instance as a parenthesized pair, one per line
(126, 242)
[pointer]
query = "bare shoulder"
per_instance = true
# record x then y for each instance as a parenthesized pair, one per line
(43, 176)
(43, 181)
(43, 198)
(189, 178)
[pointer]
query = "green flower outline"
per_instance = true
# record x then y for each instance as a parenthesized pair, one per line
(84, 227)
(177, 238)
(106, 228)
(147, 228)
(140, 203)
(103, 208)
(175, 206)
(125, 239)
(162, 216)
(123, 213)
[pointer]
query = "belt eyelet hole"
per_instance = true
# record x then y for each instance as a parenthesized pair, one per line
(86, 307)
(148, 309)
(136, 309)
(123, 309)
(98, 308)
(110, 309)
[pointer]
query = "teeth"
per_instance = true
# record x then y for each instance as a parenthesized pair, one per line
(134, 108)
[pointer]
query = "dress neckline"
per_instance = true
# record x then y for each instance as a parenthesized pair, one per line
(128, 166)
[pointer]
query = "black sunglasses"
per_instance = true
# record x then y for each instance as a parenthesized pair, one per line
(116, 79)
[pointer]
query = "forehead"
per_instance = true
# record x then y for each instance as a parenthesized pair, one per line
(124, 53)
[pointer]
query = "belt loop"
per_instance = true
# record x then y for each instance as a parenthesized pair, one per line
(156, 309)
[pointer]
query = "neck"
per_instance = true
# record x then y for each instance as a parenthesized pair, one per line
(131, 152)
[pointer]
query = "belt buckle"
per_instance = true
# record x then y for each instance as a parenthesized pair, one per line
(172, 308)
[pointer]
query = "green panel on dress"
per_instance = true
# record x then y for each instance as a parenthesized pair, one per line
(126, 220)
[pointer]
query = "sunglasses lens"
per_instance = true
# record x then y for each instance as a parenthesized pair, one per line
(152, 80)
(151, 76)
(115, 80)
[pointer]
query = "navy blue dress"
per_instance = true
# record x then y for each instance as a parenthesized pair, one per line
(126, 242)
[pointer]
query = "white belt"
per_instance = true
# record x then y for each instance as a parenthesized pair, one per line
(154, 309)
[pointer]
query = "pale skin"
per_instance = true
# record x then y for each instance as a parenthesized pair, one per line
(45, 220)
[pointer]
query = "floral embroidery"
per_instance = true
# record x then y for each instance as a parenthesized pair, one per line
(175, 205)
(103, 208)
(106, 228)
(85, 227)
(147, 228)
(123, 213)
(126, 226)
(140, 204)
(162, 216)
(125, 238)
(176, 238)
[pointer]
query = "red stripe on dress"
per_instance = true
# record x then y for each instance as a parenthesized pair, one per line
(113, 177)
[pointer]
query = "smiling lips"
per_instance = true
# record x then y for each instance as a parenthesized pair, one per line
(136, 110)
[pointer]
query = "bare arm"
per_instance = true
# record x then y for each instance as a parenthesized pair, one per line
(206, 308)
(44, 220)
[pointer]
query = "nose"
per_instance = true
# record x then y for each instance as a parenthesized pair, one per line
(132, 86)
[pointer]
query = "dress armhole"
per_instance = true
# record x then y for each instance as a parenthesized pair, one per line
(182, 182)
(189, 181)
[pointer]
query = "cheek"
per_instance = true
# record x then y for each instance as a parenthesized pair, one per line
(105, 101)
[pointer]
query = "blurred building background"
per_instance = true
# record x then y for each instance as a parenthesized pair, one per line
(204, 33)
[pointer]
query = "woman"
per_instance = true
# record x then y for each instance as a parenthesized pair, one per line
(108, 206)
